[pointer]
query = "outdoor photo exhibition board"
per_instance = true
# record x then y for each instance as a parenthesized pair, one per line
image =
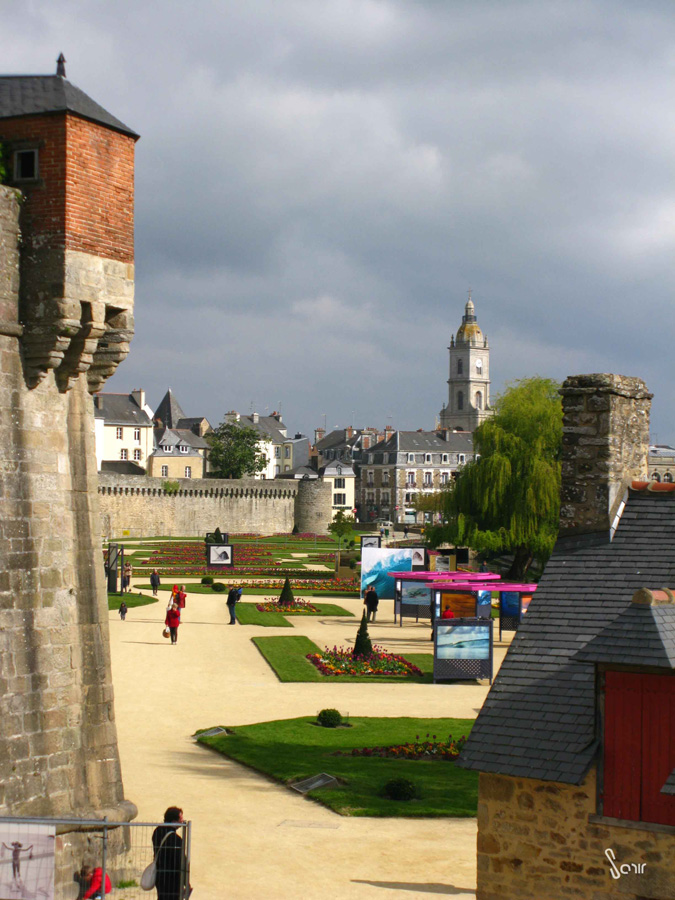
(26, 861)
(462, 649)
(413, 600)
(512, 607)
(219, 556)
(377, 562)
(370, 540)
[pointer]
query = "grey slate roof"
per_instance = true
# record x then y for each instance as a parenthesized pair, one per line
(122, 467)
(169, 411)
(267, 427)
(174, 438)
(29, 95)
(538, 720)
(119, 409)
(639, 636)
(423, 442)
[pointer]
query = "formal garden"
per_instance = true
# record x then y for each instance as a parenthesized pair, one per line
(377, 766)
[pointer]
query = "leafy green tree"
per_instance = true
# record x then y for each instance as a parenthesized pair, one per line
(508, 499)
(342, 525)
(235, 452)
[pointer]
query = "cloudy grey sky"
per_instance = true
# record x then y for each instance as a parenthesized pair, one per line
(320, 181)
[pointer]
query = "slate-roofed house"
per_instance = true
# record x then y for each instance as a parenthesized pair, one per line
(283, 453)
(123, 432)
(408, 463)
(181, 449)
(576, 740)
(347, 444)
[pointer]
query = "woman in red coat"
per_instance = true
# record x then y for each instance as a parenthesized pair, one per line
(172, 621)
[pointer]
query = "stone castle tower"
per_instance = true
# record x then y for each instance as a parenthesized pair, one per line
(66, 318)
(469, 380)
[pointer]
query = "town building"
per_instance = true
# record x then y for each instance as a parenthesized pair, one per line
(342, 479)
(662, 463)
(575, 743)
(180, 445)
(469, 376)
(409, 463)
(346, 444)
(283, 453)
(123, 431)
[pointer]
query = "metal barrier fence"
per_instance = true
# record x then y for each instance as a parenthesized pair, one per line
(64, 859)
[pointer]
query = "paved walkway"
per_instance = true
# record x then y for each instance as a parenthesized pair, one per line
(251, 837)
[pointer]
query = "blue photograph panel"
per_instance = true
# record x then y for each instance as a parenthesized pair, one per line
(376, 562)
(462, 642)
(509, 604)
(415, 594)
(484, 604)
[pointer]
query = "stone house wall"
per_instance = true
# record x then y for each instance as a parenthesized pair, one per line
(535, 842)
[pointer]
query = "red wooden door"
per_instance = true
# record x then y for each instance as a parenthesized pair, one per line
(622, 746)
(639, 746)
(658, 747)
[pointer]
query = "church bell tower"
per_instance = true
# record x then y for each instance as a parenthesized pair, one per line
(469, 378)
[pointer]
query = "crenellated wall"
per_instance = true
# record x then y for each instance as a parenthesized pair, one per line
(140, 506)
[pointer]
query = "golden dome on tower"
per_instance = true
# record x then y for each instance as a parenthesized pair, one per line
(469, 331)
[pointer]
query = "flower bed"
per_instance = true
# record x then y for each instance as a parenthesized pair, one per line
(417, 749)
(339, 661)
(298, 606)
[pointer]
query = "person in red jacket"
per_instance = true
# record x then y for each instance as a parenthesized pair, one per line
(92, 878)
(447, 614)
(180, 597)
(172, 621)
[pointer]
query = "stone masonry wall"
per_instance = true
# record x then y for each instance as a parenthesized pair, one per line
(140, 505)
(535, 842)
(605, 445)
(58, 745)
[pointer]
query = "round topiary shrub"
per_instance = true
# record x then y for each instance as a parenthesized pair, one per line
(218, 586)
(400, 789)
(207, 579)
(329, 718)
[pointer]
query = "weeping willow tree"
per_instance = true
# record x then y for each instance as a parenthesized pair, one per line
(508, 499)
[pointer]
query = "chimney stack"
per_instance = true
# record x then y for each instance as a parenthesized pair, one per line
(319, 434)
(605, 447)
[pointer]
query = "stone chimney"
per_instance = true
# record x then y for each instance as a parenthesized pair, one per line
(255, 418)
(605, 447)
(319, 434)
(388, 431)
(139, 397)
(349, 432)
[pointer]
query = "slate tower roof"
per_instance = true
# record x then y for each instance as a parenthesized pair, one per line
(169, 411)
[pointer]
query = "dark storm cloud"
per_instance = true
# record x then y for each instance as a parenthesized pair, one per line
(318, 184)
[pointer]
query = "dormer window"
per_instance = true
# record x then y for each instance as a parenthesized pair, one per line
(411, 457)
(166, 449)
(25, 165)
(427, 457)
(182, 448)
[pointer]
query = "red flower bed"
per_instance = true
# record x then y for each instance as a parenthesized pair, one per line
(340, 661)
(417, 749)
(298, 606)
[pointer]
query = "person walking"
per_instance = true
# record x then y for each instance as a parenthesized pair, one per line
(124, 609)
(92, 880)
(173, 881)
(180, 597)
(126, 578)
(172, 621)
(371, 602)
(154, 582)
(232, 600)
(406, 532)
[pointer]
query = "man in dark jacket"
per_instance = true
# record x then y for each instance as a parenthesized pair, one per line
(167, 844)
(371, 601)
(232, 598)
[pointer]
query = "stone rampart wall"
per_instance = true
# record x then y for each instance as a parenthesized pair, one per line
(140, 506)
(535, 842)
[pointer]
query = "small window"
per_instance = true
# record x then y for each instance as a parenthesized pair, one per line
(165, 471)
(339, 483)
(385, 478)
(277, 469)
(287, 468)
(460, 366)
(137, 434)
(385, 458)
(119, 433)
(427, 479)
(137, 455)
(385, 497)
(339, 499)
(445, 457)
(182, 448)
(479, 400)
(371, 457)
(427, 457)
(277, 452)
(124, 454)
(287, 452)
(460, 400)
(167, 449)
(25, 165)
(410, 478)
(668, 478)
(656, 477)
(188, 471)
(461, 459)
(444, 477)
(411, 457)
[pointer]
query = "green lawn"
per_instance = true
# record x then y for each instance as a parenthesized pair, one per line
(292, 749)
(286, 655)
(247, 614)
(131, 600)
